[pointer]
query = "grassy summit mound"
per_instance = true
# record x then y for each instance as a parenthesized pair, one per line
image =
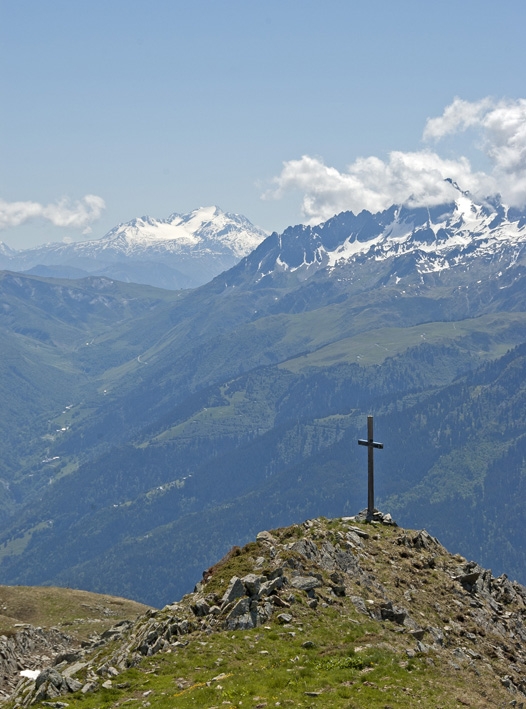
(328, 613)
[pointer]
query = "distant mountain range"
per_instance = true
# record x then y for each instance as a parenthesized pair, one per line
(182, 251)
(145, 431)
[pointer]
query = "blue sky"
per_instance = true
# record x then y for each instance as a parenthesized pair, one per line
(119, 108)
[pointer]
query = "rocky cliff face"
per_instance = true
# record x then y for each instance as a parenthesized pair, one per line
(361, 612)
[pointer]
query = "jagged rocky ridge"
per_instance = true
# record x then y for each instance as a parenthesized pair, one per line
(399, 245)
(429, 604)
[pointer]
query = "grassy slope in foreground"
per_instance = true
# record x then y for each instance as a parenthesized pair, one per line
(394, 621)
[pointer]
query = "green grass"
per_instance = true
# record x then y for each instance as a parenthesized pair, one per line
(267, 665)
(16, 546)
(77, 613)
(374, 346)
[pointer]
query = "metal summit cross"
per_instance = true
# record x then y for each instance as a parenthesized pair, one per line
(371, 445)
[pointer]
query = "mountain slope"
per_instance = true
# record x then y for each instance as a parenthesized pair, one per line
(49, 329)
(241, 401)
(446, 238)
(270, 446)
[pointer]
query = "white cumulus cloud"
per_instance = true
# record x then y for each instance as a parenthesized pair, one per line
(458, 116)
(502, 128)
(419, 178)
(64, 213)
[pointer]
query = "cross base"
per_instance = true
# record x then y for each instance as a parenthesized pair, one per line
(376, 517)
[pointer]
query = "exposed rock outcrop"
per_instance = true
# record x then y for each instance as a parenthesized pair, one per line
(30, 648)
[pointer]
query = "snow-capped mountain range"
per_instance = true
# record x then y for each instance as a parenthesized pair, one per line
(188, 250)
(182, 251)
(397, 242)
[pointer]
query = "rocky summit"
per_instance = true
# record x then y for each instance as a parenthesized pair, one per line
(348, 612)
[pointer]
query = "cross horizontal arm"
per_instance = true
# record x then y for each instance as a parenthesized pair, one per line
(373, 444)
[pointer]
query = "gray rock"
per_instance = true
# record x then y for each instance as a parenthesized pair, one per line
(279, 602)
(270, 586)
(265, 537)
(253, 583)
(67, 657)
(200, 607)
(305, 547)
(52, 677)
(240, 617)
(72, 669)
(276, 573)
(327, 557)
(247, 614)
(359, 604)
(240, 608)
(73, 685)
(305, 583)
(89, 687)
(284, 618)
(354, 539)
(423, 540)
(438, 636)
(338, 590)
(359, 532)
(235, 589)
(393, 613)
(376, 517)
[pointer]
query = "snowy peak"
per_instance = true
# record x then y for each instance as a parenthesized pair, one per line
(206, 228)
(5, 250)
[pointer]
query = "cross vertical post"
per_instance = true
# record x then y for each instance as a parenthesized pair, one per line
(371, 445)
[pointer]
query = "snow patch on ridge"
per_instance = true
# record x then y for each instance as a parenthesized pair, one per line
(350, 248)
